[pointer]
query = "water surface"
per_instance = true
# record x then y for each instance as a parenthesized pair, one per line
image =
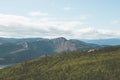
(4, 66)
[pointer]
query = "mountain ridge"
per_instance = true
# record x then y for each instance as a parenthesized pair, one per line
(112, 41)
(25, 50)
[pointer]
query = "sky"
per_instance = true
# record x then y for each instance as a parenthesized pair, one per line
(73, 19)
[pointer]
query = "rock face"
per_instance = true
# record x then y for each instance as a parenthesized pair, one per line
(62, 44)
(14, 52)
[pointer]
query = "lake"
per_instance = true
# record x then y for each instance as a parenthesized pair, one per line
(3, 66)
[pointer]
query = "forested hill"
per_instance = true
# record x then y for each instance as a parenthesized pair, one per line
(103, 64)
(19, 50)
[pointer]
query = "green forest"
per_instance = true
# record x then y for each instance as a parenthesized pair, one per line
(102, 64)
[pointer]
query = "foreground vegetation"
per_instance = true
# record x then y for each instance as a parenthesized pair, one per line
(103, 64)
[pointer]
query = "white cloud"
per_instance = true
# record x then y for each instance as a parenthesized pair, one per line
(83, 17)
(68, 25)
(115, 22)
(67, 8)
(6, 19)
(21, 26)
(92, 33)
(33, 13)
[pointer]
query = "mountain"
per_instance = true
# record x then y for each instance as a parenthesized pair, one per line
(102, 64)
(104, 41)
(18, 50)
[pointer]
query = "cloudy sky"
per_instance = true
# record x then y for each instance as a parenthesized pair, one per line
(79, 19)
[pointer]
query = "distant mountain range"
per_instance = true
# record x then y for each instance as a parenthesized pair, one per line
(17, 50)
(104, 41)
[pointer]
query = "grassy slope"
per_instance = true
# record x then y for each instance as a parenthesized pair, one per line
(103, 64)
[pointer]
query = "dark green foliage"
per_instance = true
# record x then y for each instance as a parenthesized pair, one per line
(7, 48)
(78, 65)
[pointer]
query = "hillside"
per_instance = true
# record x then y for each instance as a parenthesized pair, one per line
(102, 64)
(18, 50)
